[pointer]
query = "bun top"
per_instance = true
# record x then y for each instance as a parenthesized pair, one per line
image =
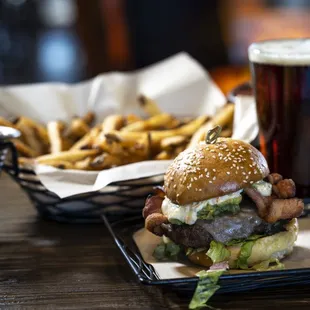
(212, 170)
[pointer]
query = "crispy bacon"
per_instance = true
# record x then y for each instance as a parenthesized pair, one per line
(274, 178)
(285, 189)
(154, 222)
(261, 201)
(283, 209)
(152, 205)
(280, 205)
(153, 214)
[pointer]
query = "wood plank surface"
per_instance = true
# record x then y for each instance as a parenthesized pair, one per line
(48, 265)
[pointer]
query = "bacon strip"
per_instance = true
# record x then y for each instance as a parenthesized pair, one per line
(152, 205)
(284, 209)
(153, 214)
(281, 205)
(153, 223)
(274, 178)
(285, 189)
(260, 201)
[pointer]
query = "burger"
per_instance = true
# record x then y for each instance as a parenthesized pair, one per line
(221, 206)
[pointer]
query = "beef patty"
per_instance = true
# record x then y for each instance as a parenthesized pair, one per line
(222, 229)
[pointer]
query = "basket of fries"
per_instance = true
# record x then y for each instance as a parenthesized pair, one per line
(101, 146)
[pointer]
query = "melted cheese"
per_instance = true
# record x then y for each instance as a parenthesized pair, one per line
(188, 213)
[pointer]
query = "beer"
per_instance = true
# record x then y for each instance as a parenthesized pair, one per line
(281, 81)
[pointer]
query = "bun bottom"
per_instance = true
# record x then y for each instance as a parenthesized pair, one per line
(276, 246)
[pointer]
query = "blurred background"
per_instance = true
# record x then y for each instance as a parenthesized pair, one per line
(73, 40)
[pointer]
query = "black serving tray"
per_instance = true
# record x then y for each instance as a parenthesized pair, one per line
(122, 231)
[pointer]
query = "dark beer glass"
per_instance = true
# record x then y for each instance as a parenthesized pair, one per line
(281, 81)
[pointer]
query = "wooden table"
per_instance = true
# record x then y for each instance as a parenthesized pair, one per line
(47, 265)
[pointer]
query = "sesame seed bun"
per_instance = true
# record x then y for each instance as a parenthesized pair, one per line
(276, 246)
(212, 170)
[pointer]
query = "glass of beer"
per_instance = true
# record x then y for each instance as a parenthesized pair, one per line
(280, 72)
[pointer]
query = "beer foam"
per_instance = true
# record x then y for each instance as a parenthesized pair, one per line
(281, 52)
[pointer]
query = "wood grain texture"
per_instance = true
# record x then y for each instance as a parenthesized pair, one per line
(46, 265)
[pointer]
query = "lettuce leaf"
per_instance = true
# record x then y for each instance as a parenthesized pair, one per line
(267, 265)
(245, 253)
(206, 287)
(217, 252)
(238, 241)
(210, 212)
(167, 251)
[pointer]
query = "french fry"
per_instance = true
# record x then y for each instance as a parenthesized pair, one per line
(4, 122)
(112, 122)
(222, 118)
(84, 164)
(60, 164)
(105, 161)
(88, 139)
(39, 129)
(131, 118)
(149, 105)
(88, 118)
(163, 155)
(29, 137)
(54, 130)
(226, 133)
(77, 129)
(157, 136)
(24, 149)
(172, 142)
(142, 148)
(155, 122)
(70, 156)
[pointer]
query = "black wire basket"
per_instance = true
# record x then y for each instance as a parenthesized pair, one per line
(117, 200)
(6, 146)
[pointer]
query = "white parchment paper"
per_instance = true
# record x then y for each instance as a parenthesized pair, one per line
(178, 84)
(146, 242)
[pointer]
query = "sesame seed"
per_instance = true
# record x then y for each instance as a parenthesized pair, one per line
(200, 189)
(244, 181)
(251, 182)
(228, 172)
(214, 170)
(250, 172)
(246, 177)
(243, 173)
(214, 178)
(195, 178)
(210, 181)
(213, 156)
(174, 186)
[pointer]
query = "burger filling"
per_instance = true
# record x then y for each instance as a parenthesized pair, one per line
(207, 209)
(242, 217)
(210, 208)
